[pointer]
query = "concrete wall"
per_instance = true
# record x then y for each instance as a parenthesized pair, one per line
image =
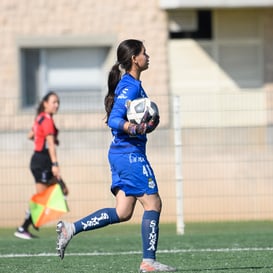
(84, 20)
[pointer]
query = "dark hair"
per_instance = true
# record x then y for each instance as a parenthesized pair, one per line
(45, 98)
(125, 51)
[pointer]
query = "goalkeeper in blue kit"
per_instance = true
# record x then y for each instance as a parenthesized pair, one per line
(133, 178)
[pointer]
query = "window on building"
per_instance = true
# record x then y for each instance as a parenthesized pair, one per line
(196, 24)
(230, 39)
(76, 74)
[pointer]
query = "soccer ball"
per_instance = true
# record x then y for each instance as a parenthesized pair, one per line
(137, 108)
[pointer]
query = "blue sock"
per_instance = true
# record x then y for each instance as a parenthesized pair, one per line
(150, 232)
(98, 219)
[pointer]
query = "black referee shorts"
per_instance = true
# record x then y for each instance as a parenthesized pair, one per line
(40, 166)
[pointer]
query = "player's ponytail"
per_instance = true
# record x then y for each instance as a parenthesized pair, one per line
(113, 79)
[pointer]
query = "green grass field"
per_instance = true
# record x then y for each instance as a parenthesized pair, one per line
(205, 247)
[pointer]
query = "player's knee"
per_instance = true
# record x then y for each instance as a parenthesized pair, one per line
(123, 217)
(154, 204)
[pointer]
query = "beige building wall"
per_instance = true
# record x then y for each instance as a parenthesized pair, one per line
(227, 131)
(210, 96)
(84, 136)
(84, 22)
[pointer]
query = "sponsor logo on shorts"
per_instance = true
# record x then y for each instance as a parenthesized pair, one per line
(151, 183)
(134, 158)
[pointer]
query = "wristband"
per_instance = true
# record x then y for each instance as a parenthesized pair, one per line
(55, 164)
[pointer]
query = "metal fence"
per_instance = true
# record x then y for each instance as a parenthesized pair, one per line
(204, 174)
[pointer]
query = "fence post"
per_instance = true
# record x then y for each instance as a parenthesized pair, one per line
(178, 165)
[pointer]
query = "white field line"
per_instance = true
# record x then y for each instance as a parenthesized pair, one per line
(171, 251)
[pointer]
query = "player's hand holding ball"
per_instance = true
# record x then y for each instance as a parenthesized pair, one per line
(143, 116)
(153, 123)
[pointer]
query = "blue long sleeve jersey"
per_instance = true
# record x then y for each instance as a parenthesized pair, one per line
(128, 88)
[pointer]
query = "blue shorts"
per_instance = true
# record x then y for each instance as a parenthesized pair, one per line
(132, 173)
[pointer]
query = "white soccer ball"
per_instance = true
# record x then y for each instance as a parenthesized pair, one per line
(137, 108)
(153, 109)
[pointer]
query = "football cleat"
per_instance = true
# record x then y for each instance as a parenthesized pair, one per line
(65, 232)
(154, 266)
